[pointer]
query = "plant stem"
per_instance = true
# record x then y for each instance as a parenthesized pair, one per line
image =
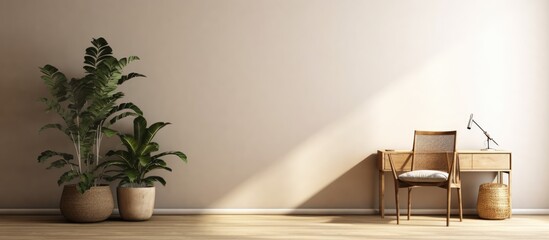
(78, 139)
(98, 136)
(77, 149)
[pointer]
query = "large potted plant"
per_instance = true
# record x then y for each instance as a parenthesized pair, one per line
(136, 191)
(87, 107)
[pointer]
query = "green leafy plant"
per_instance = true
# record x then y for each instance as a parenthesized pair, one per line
(88, 107)
(131, 165)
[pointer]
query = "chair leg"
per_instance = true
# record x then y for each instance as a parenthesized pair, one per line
(460, 205)
(397, 206)
(409, 202)
(448, 206)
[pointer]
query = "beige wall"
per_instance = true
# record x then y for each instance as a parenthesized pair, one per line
(281, 104)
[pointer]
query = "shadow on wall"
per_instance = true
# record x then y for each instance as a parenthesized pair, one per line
(358, 188)
(354, 189)
(22, 117)
(23, 114)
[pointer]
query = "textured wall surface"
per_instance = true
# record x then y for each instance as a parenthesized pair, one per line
(281, 104)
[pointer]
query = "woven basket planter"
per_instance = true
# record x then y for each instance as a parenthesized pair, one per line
(136, 203)
(95, 205)
(493, 201)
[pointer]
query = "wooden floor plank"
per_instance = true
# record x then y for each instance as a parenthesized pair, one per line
(245, 227)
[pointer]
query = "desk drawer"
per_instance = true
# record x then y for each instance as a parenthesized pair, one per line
(465, 161)
(491, 161)
(402, 162)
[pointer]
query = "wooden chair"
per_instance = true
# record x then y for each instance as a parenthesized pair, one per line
(433, 163)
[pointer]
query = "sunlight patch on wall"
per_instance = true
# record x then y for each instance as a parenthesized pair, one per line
(430, 98)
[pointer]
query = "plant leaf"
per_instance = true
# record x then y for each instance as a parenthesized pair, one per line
(45, 155)
(179, 154)
(131, 174)
(144, 160)
(121, 107)
(155, 178)
(52, 125)
(121, 116)
(108, 132)
(157, 167)
(58, 164)
(130, 142)
(139, 129)
(82, 187)
(149, 148)
(152, 130)
(67, 177)
(125, 78)
(86, 182)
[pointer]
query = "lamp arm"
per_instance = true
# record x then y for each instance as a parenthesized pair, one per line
(485, 132)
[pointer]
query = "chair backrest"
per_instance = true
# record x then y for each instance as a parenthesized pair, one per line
(433, 150)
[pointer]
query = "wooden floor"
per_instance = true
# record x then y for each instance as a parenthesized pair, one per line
(276, 227)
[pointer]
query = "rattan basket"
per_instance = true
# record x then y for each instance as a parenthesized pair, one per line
(493, 201)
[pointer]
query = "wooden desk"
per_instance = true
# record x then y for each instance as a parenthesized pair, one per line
(469, 160)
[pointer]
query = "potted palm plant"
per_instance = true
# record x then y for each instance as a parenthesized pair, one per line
(87, 107)
(131, 166)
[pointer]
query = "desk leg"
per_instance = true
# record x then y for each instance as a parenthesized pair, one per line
(500, 175)
(382, 194)
(510, 199)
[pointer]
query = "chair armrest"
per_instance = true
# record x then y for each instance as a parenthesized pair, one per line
(455, 171)
(393, 169)
(390, 153)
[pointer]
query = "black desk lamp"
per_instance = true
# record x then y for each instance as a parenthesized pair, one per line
(488, 138)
